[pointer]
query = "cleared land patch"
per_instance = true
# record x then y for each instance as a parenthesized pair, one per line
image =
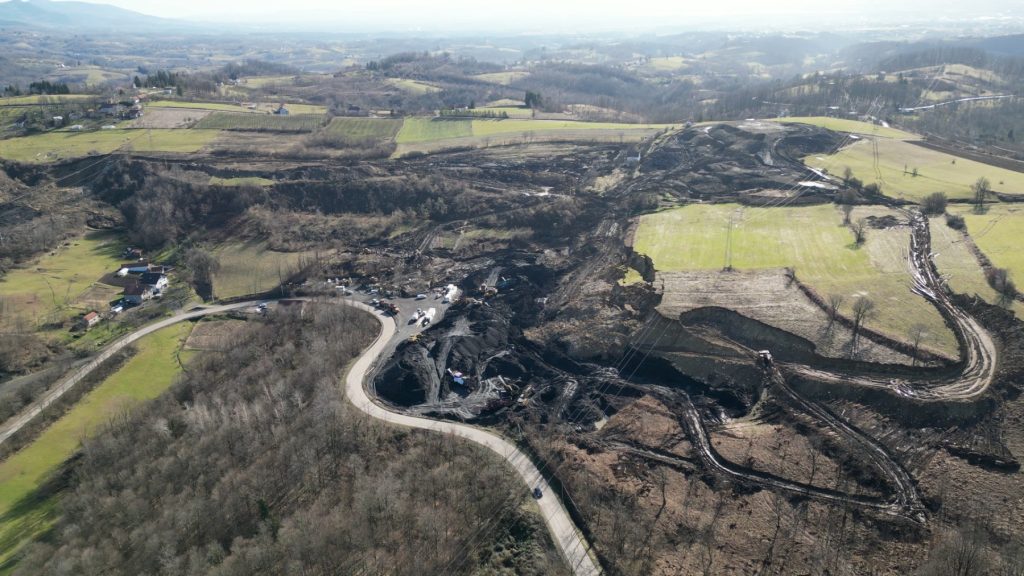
(893, 164)
(55, 285)
(852, 126)
(169, 117)
(144, 377)
(812, 241)
(250, 268)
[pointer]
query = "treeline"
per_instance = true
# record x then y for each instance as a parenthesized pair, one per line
(253, 67)
(999, 123)
(164, 206)
(48, 88)
(253, 463)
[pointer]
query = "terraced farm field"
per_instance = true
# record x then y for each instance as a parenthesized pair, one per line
(891, 162)
(144, 377)
(813, 242)
(261, 122)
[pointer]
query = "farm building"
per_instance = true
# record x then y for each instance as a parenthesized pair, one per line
(281, 110)
(137, 294)
(89, 320)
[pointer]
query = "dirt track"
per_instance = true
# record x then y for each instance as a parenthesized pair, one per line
(979, 353)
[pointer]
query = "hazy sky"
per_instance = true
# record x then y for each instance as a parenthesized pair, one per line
(549, 14)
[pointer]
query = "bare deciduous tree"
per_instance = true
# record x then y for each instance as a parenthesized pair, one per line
(863, 310)
(981, 189)
(860, 230)
(834, 302)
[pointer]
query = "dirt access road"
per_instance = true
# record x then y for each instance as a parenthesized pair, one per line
(574, 547)
(980, 355)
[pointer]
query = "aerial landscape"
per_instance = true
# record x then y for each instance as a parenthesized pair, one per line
(408, 288)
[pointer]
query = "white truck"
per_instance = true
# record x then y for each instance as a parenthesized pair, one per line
(428, 317)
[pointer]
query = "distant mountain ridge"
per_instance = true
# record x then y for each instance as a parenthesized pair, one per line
(81, 16)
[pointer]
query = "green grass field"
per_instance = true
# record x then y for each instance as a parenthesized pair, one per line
(51, 285)
(261, 122)
(809, 239)
(244, 181)
(999, 233)
(144, 377)
(364, 129)
(937, 171)
(961, 269)
(851, 126)
(429, 129)
(477, 131)
(249, 268)
(53, 146)
(22, 100)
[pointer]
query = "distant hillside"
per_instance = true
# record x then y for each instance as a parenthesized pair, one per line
(78, 16)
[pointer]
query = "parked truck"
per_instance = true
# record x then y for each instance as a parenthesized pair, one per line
(428, 317)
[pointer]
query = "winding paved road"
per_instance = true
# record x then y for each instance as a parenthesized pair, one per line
(16, 423)
(572, 544)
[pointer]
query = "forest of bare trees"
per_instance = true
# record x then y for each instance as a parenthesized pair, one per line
(253, 463)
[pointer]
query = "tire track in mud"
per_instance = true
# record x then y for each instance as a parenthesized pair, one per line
(979, 355)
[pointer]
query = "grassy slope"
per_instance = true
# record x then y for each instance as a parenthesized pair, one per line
(250, 268)
(361, 129)
(68, 271)
(961, 269)
(428, 129)
(53, 146)
(937, 171)
(999, 233)
(143, 377)
(852, 126)
(809, 239)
